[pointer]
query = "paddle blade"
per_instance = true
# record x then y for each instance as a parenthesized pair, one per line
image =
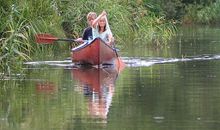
(45, 38)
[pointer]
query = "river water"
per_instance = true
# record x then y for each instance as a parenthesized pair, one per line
(167, 88)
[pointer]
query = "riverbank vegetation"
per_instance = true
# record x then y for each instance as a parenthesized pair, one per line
(20, 20)
(134, 19)
(139, 21)
(191, 11)
(208, 13)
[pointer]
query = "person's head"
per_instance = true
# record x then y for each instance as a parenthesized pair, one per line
(102, 23)
(90, 17)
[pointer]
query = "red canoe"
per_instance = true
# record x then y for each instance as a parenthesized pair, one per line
(95, 52)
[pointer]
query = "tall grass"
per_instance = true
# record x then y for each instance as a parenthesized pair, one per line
(133, 21)
(14, 46)
(128, 19)
(20, 21)
(150, 27)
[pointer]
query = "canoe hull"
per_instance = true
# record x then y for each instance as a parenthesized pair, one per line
(96, 52)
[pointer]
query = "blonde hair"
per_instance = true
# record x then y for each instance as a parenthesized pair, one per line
(91, 15)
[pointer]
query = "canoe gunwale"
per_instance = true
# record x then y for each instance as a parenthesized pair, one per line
(95, 52)
(84, 45)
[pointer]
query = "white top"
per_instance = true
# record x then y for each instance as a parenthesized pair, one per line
(104, 35)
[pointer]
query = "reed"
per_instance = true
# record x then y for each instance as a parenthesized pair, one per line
(20, 21)
(134, 19)
(15, 46)
(130, 21)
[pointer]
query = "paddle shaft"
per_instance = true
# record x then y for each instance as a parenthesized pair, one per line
(49, 39)
(66, 39)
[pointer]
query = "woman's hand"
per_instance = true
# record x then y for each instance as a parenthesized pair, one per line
(111, 41)
(103, 13)
(94, 23)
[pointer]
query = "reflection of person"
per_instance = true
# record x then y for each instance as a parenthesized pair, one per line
(100, 102)
(101, 28)
(87, 33)
(98, 86)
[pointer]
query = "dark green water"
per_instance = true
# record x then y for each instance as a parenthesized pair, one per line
(171, 88)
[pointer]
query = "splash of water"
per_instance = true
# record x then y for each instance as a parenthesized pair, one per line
(130, 61)
(141, 62)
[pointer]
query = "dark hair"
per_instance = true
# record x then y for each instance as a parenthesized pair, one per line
(100, 28)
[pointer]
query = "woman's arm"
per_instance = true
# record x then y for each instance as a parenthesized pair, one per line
(94, 23)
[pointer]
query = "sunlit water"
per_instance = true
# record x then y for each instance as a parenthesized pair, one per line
(172, 88)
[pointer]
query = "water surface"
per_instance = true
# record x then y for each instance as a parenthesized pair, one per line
(168, 88)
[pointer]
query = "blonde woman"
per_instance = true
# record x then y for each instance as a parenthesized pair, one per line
(101, 29)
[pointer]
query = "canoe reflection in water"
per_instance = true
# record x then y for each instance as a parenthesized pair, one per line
(98, 84)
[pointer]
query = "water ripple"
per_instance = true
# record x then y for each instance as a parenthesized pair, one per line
(36, 64)
(141, 62)
(130, 61)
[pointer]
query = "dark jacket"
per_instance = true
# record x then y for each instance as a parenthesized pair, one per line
(87, 34)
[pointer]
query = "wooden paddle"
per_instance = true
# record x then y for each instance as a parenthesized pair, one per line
(49, 39)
